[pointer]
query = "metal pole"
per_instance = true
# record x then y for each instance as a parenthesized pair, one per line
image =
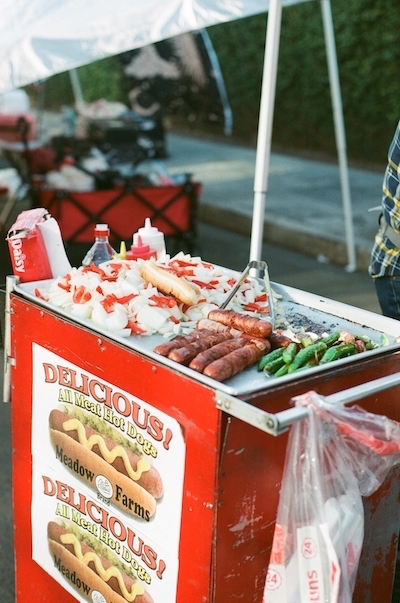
(339, 131)
(277, 423)
(265, 126)
(8, 360)
(76, 86)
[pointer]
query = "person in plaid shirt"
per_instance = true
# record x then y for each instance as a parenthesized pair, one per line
(385, 256)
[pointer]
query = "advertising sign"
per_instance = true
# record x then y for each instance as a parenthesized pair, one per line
(107, 486)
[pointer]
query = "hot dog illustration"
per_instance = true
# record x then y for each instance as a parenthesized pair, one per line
(91, 573)
(129, 480)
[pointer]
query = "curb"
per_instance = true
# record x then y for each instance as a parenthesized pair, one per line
(301, 241)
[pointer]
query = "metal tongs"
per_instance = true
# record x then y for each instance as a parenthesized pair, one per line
(262, 272)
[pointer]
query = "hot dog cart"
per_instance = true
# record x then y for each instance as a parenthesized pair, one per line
(218, 447)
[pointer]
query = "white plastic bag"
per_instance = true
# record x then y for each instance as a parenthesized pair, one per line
(334, 457)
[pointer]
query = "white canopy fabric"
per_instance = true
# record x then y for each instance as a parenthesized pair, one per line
(39, 38)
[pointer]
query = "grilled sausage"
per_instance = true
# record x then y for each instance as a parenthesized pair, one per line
(185, 354)
(247, 324)
(219, 350)
(278, 340)
(177, 342)
(213, 325)
(234, 362)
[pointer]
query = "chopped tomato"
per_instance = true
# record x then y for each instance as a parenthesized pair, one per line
(65, 286)
(163, 302)
(261, 298)
(256, 308)
(126, 298)
(108, 302)
(94, 268)
(112, 278)
(116, 267)
(174, 319)
(184, 272)
(182, 263)
(81, 295)
(180, 270)
(203, 285)
(232, 282)
(38, 294)
(99, 290)
(134, 327)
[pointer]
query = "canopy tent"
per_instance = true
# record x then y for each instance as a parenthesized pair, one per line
(39, 38)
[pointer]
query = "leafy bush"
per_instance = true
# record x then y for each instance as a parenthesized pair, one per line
(366, 36)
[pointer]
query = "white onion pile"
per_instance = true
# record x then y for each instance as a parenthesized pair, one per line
(116, 298)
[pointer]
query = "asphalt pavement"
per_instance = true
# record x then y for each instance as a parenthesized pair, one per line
(304, 247)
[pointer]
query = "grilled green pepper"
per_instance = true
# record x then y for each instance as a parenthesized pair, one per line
(282, 371)
(269, 357)
(306, 354)
(273, 365)
(331, 339)
(338, 351)
(290, 352)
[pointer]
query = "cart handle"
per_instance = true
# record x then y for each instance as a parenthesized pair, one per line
(277, 423)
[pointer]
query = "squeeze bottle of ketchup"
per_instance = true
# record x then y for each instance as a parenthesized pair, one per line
(153, 237)
(138, 250)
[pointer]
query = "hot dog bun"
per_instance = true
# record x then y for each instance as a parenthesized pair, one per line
(91, 571)
(123, 459)
(170, 283)
(78, 455)
(126, 494)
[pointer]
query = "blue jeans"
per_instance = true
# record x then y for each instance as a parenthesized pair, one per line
(388, 292)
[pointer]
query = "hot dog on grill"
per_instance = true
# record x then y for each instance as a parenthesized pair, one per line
(92, 571)
(234, 362)
(219, 350)
(177, 342)
(169, 283)
(247, 324)
(278, 340)
(213, 325)
(135, 483)
(186, 353)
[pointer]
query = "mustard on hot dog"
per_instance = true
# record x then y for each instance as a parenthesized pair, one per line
(91, 570)
(135, 483)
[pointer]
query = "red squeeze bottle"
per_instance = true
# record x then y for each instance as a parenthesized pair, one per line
(138, 250)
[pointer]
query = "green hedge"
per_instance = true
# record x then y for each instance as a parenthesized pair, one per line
(102, 79)
(368, 51)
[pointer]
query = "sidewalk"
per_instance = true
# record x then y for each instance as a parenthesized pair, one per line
(304, 207)
(304, 204)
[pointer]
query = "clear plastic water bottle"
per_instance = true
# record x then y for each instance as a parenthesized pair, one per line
(101, 250)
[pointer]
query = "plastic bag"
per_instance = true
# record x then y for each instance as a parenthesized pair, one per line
(334, 457)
